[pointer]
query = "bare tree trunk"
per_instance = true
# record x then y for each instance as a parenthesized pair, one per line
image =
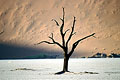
(65, 64)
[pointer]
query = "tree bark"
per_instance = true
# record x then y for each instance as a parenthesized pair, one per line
(65, 64)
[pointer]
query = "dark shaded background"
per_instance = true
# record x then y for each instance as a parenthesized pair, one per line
(18, 52)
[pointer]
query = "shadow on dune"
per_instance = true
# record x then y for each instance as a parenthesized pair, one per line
(18, 52)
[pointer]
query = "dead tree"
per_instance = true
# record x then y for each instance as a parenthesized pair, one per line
(65, 43)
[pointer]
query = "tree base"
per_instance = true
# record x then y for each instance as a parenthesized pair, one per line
(61, 72)
(81, 73)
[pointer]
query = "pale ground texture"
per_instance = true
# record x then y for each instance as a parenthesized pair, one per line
(44, 69)
(26, 22)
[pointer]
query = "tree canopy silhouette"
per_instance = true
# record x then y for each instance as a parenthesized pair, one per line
(65, 42)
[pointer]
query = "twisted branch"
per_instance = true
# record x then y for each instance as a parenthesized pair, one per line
(53, 41)
(71, 34)
(56, 22)
(78, 41)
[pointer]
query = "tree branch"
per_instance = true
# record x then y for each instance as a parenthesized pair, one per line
(51, 37)
(74, 33)
(63, 13)
(66, 31)
(44, 42)
(84, 38)
(77, 42)
(61, 29)
(53, 41)
(56, 22)
(71, 34)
